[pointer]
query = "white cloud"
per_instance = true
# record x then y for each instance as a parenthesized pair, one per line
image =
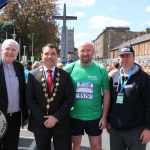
(101, 22)
(112, 8)
(81, 37)
(147, 23)
(74, 3)
(148, 8)
(79, 14)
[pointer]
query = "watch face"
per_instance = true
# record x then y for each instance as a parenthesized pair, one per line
(3, 125)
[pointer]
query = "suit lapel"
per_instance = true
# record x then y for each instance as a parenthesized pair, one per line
(18, 74)
(54, 79)
(44, 75)
(2, 79)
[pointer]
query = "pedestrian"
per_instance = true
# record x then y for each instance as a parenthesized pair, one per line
(12, 94)
(129, 117)
(69, 60)
(28, 65)
(49, 97)
(87, 113)
(35, 65)
(116, 66)
(108, 68)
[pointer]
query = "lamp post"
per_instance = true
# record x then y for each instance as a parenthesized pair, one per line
(6, 34)
(14, 35)
(24, 49)
(19, 47)
(24, 57)
(32, 43)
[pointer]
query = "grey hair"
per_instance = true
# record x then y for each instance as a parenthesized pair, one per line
(10, 41)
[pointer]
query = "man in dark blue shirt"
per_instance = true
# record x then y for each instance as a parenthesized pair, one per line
(69, 60)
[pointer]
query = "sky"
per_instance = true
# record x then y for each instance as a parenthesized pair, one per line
(93, 16)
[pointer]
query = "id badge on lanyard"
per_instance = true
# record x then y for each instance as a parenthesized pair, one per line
(120, 97)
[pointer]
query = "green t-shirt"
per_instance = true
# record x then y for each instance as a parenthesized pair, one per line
(88, 109)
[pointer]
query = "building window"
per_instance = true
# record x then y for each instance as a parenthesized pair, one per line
(149, 48)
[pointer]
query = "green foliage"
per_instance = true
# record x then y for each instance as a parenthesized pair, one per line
(28, 17)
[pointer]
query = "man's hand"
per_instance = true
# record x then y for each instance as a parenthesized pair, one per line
(108, 127)
(102, 123)
(50, 122)
(145, 136)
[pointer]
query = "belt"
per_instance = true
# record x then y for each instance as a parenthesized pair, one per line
(12, 114)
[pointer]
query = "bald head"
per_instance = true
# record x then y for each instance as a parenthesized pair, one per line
(86, 44)
(85, 53)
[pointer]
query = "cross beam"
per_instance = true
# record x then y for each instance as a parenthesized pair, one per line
(64, 17)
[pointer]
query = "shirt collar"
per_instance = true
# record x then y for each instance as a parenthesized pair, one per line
(6, 63)
(45, 69)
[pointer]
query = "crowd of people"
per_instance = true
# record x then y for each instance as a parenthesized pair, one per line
(65, 100)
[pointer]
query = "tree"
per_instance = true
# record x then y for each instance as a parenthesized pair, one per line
(33, 16)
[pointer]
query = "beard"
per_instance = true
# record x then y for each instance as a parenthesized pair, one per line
(85, 61)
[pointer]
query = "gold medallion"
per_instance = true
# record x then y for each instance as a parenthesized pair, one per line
(42, 79)
(44, 89)
(48, 100)
(54, 94)
(55, 89)
(58, 74)
(46, 95)
(47, 106)
(57, 84)
(43, 84)
(57, 79)
(51, 98)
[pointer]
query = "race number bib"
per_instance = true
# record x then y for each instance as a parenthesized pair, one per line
(84, 90)
(3, 125)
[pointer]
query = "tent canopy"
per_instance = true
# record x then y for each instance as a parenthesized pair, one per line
(3, 3)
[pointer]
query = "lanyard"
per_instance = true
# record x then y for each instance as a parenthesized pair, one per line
(125, 82)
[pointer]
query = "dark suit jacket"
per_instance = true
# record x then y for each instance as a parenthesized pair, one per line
(59, 107)
(3, 90)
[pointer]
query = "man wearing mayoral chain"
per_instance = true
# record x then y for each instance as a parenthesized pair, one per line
(49, 97)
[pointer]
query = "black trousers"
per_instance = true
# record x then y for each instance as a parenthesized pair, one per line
(126, 139)
(11, 138)
(61, 142)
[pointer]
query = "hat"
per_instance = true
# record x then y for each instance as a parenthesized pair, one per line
(125, 49)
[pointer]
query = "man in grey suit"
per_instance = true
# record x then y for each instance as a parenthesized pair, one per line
(12, 94)
(50, 102)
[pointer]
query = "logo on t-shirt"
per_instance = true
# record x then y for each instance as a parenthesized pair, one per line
(92, 77)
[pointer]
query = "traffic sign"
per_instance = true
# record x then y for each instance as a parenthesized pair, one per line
(32, 59)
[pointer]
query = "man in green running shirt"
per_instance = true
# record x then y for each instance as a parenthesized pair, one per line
(87, 113)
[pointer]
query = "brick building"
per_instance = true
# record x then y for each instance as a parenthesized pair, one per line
(108, 39)
(141, 45)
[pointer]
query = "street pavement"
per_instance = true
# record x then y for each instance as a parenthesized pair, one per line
(27, 141)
